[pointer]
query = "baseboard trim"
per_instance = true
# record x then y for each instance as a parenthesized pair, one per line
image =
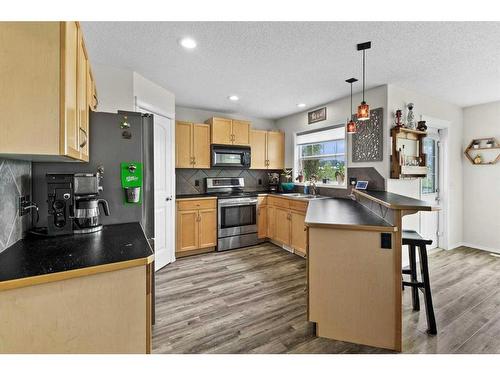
(480, 247)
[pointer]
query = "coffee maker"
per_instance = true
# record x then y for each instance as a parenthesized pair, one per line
(74, 203)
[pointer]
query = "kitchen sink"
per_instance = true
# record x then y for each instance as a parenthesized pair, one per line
(302, 196)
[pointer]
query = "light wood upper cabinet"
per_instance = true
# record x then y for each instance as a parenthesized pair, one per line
(258, 146)
(39, 68)
(82, 98)
(268, 149)
(241, 133)
(192, 145)
(201, 145)
(229, 132)
(183, 147)
(196, 224)
(275, 150)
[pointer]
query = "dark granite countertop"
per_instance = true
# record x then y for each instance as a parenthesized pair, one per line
(344, 213)
(396, 201)
(34, 256)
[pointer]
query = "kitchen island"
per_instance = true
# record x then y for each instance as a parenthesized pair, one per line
(85, 293)
(354, 267)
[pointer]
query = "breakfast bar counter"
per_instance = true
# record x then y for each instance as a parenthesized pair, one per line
(354, 267)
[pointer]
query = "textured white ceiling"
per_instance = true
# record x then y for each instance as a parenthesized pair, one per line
(272, 66)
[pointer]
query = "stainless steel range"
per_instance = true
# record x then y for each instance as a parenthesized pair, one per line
(237, 212)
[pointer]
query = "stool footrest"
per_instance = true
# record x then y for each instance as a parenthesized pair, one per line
(415, 284)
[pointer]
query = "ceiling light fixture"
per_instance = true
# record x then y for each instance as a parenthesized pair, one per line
(188, 43)
(233, 98)
(301, 105)
(363, 108)
(351, 125)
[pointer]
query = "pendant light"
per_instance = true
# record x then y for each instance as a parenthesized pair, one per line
(351, 125)
(363, 108)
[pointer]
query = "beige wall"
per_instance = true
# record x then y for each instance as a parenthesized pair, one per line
(482, 182)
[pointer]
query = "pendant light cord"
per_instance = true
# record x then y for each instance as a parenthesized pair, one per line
(363, 75)
(351, 103)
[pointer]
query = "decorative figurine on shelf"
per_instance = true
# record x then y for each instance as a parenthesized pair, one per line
(421, 126)
(490, 143)
(410, 117)
(398, 116)
(478, 159)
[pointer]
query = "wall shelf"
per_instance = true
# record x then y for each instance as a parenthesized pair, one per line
(408, 142)
(471, 151)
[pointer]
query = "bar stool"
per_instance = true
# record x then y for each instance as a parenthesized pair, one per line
(413, 240)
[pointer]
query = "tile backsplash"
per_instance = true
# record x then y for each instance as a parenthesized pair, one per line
(15, 180)
(192, 181)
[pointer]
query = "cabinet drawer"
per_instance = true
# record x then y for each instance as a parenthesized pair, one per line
(196, 204)
(298, 205)
(262, 200)
(278, 202)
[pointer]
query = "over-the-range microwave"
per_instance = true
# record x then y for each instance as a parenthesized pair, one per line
(224, 156)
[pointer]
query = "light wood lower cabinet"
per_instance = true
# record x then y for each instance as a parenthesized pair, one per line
(196, 225)
(262, 221)
(192, 145)
(44, 69)
(284, 222)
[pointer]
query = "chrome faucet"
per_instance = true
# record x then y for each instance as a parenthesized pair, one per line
(312, 186)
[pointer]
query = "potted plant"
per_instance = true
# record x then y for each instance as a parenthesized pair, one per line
(288, 185)
(340, 173)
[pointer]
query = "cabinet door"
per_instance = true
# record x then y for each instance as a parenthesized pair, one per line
(276, 150)
(271, 222)
(187, 230)
(183, 144)
(81, 96)
(207, 228)
(282, 225)
(241, 133)
(221, 131)
(259, 149)
(298, 233)
(262, 222)
(69, 144)
(201, 145)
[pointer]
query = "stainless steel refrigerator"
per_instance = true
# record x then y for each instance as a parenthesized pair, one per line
(114, 138)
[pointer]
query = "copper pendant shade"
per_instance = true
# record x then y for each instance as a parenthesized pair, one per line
(364, 108)
(351, 125)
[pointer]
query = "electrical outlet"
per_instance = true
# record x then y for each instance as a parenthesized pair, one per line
(196, 182)
(23, 202)
(260, 181)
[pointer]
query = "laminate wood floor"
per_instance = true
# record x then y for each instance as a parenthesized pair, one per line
(253, 300)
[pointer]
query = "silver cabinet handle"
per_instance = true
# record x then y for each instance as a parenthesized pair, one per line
(85, 141)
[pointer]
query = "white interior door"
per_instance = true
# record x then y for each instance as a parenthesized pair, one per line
(430, 188)
(164, 188)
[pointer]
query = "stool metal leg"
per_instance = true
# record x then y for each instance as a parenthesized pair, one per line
(429, 309)
(413, 278)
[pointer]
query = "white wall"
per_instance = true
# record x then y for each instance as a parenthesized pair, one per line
(482, 182)
(117, 89)
(336, 113)
(114, 88)
(428, 106)
(201, 115)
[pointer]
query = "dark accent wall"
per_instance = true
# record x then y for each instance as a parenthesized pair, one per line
(370, 174)
(15, 180)
(192, 181)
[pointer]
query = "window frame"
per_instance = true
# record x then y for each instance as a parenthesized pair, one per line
(297, 158)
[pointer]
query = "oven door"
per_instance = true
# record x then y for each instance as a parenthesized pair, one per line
(226, 156)
(237, 217)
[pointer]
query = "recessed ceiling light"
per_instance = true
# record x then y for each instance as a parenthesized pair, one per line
(301, 105)
(188, 43)
(233, 98)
